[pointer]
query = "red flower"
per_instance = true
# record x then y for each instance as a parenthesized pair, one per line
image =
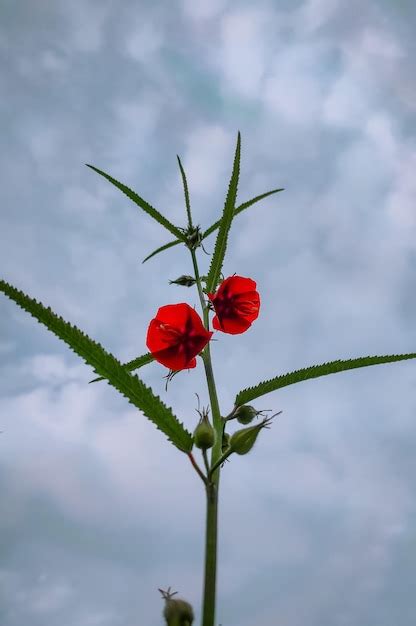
(176, 335)
(236, 305)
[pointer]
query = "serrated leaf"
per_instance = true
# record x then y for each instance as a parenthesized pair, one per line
(164, 247)
(241, 208)
(225, 223)
(141, 203)
(107, 366)
(135, 364)
(186, 191)
(315, 371)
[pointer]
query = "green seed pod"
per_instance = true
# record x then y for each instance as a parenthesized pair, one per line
(245, 414)
(176, 612)
(204, 434)
(183, 281)
(243, 440)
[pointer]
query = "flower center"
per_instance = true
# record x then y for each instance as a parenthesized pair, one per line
(169, 333)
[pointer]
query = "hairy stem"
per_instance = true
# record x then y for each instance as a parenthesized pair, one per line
(208, 609)
(211, 530)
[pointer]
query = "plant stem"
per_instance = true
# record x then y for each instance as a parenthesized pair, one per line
(212, 487)
(208, 610)
(198, 284)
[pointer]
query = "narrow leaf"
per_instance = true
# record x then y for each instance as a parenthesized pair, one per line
(241, 208)
(132, 365)
(141, 203)
(185, 188)
(107, 366)
(315, 371)
(164, 247)
(225, 224)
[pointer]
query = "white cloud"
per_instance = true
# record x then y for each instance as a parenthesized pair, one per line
(6, 346)
(291, 91)
(369, 62)
(43, 143)
(135, 122)
(315, 13)
(401, 202)
(209, 152)
(202, 10)
(379, 44)
(53, 62)
(242, 55)
(143, 41)
(78, 448)
(86, 26)
(51, 369)
(77, 200)
(50, 597)
(347, 103)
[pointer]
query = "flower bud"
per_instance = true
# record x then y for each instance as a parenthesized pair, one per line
(204, 434)
(193, 237)
(183, 281)
(245, 413)
(176, 612)
(243, 440)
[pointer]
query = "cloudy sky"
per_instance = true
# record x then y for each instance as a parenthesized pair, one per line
(97, 509)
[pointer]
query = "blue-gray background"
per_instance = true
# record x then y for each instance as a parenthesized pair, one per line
(97, 509)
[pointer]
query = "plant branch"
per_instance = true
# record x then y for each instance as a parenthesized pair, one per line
(206, 462)
(219, 462)
(197, 468)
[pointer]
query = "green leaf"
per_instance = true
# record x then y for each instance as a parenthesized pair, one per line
(141, 203)
(241, 208)
(227, 216)
(185, 188)
(164, 247)
(132, 365)
(315, 371)
(107, 366)
(213, 227)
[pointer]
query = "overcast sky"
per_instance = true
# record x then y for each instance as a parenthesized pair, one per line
(97, 508)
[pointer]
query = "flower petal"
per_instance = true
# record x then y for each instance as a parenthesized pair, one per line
(231, 325)
(174, 314)
(173, 359)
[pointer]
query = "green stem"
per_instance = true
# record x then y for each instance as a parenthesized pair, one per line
(208, 609)
(212, 487)
(198, 284)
